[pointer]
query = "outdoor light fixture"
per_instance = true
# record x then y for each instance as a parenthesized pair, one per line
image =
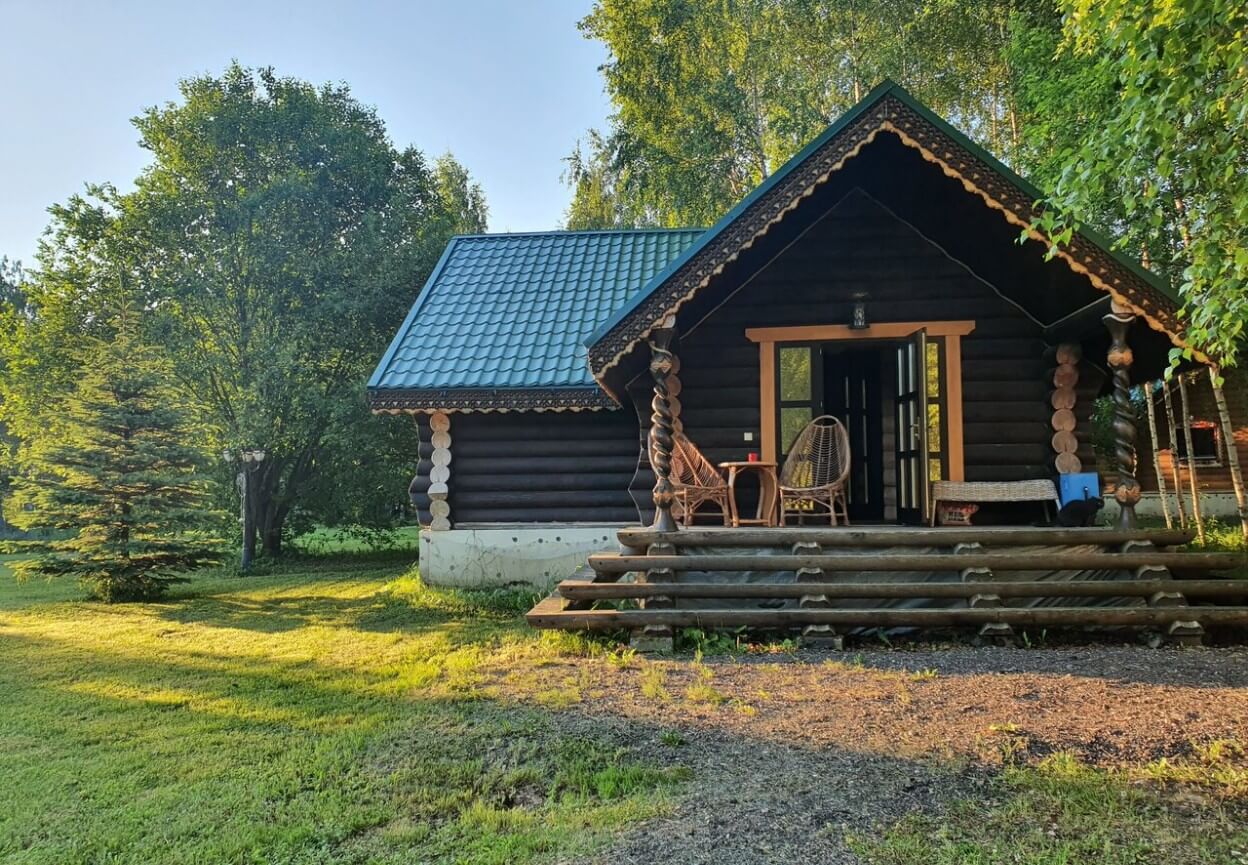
(858, 320)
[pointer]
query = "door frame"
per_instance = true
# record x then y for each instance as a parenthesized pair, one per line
(768, 337)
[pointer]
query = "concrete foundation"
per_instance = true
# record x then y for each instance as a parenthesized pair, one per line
(1221, 505)
(531, 554)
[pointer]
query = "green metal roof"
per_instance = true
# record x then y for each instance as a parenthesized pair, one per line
(511, 310)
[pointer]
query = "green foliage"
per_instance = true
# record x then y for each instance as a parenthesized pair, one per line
(711, 97)
(114, 472)
(274, 243)
(1171, 145)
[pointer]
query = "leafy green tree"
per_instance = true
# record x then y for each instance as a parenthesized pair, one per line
(462, 196)
(711, 97)
(1171, 145)
(275, 242)
(12, 310)
(115, 475)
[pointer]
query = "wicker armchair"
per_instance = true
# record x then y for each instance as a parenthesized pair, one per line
(696, 480)
(814, 474)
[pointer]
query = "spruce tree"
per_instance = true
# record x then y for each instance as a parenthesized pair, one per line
(116, 478)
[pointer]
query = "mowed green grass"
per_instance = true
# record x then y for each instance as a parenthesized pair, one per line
(328, 712)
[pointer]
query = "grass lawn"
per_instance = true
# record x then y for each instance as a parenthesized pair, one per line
(336, 710)
(320, 714)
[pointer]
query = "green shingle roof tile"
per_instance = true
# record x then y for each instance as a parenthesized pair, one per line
(513, 310)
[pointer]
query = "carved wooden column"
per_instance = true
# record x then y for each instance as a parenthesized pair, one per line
(1127, 491)
(662, 425)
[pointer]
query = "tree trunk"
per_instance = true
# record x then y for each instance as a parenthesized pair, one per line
(1232, 452)
(1174, 455)
(1156, 448)
(1191, 460)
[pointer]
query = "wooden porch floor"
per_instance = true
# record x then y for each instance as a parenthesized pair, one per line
(822, 581)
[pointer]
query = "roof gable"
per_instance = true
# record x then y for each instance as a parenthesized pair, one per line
(888, 109)
(504, 313)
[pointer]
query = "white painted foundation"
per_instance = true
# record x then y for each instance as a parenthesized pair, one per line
(530, 554)
(1220, 505)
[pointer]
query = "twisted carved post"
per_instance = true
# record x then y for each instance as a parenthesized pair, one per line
(662, 426)
(1127, 491)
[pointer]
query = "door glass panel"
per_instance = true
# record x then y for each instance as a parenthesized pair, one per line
(795, 374)
(933, 369)
(792, 421)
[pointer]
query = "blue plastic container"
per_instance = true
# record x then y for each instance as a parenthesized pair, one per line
(1074, 488)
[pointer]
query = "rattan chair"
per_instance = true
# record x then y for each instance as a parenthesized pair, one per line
(815, 473)
(696, 481)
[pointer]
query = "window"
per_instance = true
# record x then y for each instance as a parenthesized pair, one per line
(797, 392)
(1205, 444)
(936, 456)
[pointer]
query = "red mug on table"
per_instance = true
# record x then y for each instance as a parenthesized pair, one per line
(752, 456)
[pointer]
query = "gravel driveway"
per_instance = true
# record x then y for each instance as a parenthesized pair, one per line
(789, 754)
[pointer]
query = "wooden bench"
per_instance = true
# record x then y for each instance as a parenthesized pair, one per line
(979, 492)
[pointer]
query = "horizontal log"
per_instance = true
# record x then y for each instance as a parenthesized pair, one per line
(613, 563)
(1034, 453)
(462, 482)
(524, 499)
(514, 516)
(587, 590)
(626, 461)
(607, 619)
(548, 446)
(907, 536)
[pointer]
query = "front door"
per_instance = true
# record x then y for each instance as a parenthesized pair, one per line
(912, 421)
(852, 387)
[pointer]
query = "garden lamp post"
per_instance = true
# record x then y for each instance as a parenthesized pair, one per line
(248, 461)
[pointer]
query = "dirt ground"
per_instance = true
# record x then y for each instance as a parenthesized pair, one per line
(791, 752)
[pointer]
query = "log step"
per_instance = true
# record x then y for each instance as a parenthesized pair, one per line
(893, 536)
(615, 563)
(585, 590)
(608, 619)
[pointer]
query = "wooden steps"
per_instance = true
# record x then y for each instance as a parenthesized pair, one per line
(588, 590)
(900, 536)
(824, 571)
(610, 619)
(616, 563)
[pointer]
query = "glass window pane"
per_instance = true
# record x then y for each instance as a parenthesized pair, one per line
(792, 422)
(933, 469)
(933, 370)
(933, 427)
(795, 374)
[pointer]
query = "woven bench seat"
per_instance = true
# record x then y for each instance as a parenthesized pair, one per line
(978, 492)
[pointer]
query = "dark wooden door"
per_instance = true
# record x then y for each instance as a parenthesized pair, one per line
(852, 380)
(911, 417)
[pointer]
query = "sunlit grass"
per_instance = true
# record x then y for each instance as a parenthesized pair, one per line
(329, 711)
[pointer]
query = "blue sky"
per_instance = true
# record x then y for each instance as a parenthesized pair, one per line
(507, 86)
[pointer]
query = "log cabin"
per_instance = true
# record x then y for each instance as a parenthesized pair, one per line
(888, 275)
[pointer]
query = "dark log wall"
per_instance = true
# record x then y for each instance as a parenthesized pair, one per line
(860, 246)
(418, 490)
(543, 467)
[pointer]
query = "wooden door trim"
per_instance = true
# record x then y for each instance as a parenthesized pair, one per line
(952, 331)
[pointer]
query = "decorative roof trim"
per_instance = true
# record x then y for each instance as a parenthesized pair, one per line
(890, 110)
(397, 401)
